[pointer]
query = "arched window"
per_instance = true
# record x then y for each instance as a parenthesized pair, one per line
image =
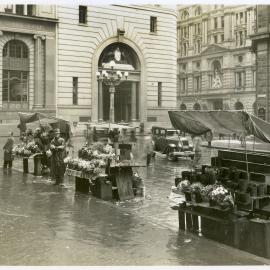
(262, 113)
(238, 105)
(197, 107)
(15, 72)
(198, 11)
(183, 107)
(215, 78)
(185, 15)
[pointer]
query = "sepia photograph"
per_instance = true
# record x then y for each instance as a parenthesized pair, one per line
(134, 134)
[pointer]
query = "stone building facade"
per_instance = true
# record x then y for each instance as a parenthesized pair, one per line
(50, 56)
(216, 67)
(140, 39)
(27, 60)
(261, 47)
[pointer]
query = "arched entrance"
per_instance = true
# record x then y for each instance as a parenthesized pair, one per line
(127, 93)
(238, 105)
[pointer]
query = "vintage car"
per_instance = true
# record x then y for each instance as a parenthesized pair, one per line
(171, 142)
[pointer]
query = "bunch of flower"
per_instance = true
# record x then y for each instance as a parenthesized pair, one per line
(184, 186)
(228, 201)
(84, 165)
(219, 193)
(25, 150)
(196, 187)
(96, 151)
(206, 191)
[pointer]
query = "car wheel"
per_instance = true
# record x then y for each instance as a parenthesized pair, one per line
(171, 157)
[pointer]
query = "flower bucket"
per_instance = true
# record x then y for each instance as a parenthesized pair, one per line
(243, 185)
(198, 197)
(187, 196)
(212, 203)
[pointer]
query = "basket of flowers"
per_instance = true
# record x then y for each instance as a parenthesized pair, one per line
(218, 195)
(195, 189)
(205, 192)
(184, 187)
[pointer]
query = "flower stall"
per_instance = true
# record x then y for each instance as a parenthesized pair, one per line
(28, 151)
(229, 200)
(98, 169)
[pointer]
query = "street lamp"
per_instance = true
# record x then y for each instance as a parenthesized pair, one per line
(111, 78)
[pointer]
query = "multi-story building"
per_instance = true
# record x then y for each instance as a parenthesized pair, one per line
(140, 39)
(27, 60)
(50, 56)
(261, 47)
(216, 67)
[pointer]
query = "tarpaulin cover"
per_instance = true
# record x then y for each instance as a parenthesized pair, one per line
(54, 122)
(224, 122)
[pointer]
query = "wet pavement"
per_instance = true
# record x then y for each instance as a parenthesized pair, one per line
(42, 224)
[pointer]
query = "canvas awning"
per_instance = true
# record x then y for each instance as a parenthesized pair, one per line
(43, 119)
(224, 122)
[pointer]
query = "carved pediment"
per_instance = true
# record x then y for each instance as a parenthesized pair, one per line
(214, 48)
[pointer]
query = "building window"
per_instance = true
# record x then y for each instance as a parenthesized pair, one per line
(222, 37)
(241, 41)
(153, 24)
(15, 49)
(19, 9)
(215, 39)
(183, 107)
(184, 15)
(240, 58)
(198, 11)
(239, 79)
(197, 83)
(241, 17)
(183, 85)
(8, 9)
(184, 66)
(185, 49)
(262, 113)
(196, 106)
(159, 94)
(215, 23)
(238, 105)
(83, 14)
(254, 77)
(222, 21)
(198, 65)
(31, 10)
(75, 91)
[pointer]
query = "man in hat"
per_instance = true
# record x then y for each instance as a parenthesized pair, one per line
(57, 148)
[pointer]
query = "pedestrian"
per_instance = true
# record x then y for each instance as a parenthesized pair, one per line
(209, 137)
(197, 140)
(95, 138)
(8, 155)
(149, 152)
(57, 148)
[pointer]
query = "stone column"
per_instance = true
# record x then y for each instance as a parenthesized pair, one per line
(50, 73)
(100, 101)
(133, 101)
(38, 65)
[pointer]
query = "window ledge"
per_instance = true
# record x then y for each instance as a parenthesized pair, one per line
(82, 24)
(153, 33)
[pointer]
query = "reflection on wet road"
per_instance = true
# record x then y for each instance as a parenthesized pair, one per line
(41, 224)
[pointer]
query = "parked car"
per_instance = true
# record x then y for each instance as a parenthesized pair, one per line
(171, 142)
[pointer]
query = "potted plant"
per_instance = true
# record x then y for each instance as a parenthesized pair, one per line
(195, 189)
(184, 186)
(205, 192)
(227, 203)
(217, 195)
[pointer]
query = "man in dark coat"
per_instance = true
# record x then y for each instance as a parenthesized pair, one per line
(8, 156)
(57, 148)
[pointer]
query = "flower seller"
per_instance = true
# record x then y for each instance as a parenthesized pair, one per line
(8, 156)
(57, 148)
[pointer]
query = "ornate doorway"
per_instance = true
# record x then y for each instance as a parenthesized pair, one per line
(127, 94)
